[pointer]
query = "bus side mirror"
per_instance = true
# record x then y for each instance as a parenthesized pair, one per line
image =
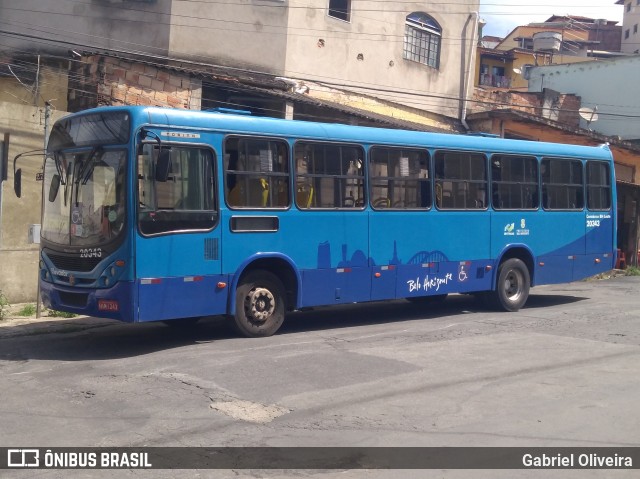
(163, 165)
(17, 182)
(55, 186)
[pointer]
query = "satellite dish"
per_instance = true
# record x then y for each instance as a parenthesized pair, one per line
(588, 114)
(517, 71)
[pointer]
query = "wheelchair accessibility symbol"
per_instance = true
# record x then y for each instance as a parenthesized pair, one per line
(462, 273)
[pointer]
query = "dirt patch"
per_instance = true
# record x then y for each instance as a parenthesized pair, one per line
(249, 411)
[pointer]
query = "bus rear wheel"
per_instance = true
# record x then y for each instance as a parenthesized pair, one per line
(259, 305)
(512, 289)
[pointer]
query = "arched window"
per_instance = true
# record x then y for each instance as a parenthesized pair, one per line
(422, 39)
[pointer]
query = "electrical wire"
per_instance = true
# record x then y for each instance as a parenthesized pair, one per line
(387, 92)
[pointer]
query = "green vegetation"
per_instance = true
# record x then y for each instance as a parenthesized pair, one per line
(60, 314)
(27, 310)
(4, 306)
(632, 271)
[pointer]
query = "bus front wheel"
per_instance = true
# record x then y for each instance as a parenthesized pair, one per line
(512, 289)
(259, 305)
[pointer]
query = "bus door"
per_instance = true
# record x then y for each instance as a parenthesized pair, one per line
(177, 250)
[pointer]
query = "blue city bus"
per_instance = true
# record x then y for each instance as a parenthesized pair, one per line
(154, 214)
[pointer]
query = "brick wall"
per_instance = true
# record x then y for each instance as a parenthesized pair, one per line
(532, 103)
(108, 81)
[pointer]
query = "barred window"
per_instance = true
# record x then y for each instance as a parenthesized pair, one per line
(256, 173)
(422, 39)
(562, 184)
(399, 178)
(598, 185)
(514, 182)
(329, 175)
(461, 180)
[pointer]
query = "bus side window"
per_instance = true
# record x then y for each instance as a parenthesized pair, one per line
(562, 184)
(256, 173)
(399, 178)
(514, 181)
(462, 178)
(329, 175)
(598, 185)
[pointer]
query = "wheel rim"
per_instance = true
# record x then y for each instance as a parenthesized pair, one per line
(259, 305)
(513, 285)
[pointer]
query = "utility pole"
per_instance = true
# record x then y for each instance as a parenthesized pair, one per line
(47, 116)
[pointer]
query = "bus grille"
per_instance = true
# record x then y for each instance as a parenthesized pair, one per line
(211, 251)
(73, 263)
(78, 300)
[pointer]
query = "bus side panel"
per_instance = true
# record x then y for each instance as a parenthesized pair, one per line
(329, 248)
(335, 286)
(600, 256)
(177, 276)
(182, 297)
(430, 251)
(555, 238)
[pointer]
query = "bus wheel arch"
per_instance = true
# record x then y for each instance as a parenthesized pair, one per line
(513, 281)
(266, 288)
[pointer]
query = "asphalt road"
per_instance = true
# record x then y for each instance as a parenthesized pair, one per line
(561, 372)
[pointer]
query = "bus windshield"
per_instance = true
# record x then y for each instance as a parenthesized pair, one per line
(84, 197)
(84, 179)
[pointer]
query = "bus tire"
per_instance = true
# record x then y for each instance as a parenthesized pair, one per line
(512, 289)
(260, 305)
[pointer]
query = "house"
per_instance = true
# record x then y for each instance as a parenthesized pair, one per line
(630, 21)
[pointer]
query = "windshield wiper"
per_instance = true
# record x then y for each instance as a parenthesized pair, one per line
(85, 170)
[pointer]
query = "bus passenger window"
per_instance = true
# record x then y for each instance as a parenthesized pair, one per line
(461, 180)
(329, 175)
(514, 182)
(598, 185)
(256, 173)
(399, 178)
(562, 184)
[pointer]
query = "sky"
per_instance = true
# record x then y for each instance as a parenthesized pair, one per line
(502, 16)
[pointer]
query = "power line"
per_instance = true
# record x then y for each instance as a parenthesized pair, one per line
(389, 95)
(342, 85)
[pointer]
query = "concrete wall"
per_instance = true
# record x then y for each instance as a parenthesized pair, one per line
(608, 84)
(51, 84)
(250, 35)
(92, 24)
(18, 258)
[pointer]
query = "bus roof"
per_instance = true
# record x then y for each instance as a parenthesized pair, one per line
(247, 124)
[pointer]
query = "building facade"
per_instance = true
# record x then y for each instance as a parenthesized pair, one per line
(630, 22)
